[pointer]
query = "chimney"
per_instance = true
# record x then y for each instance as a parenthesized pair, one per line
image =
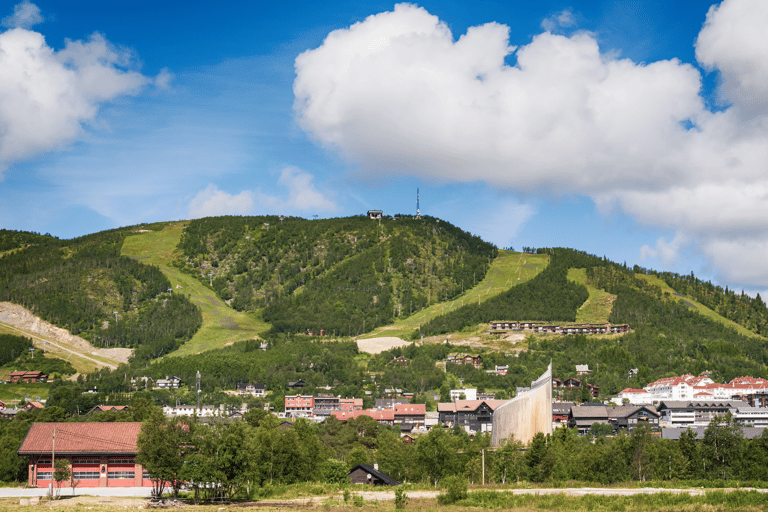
(376, 466)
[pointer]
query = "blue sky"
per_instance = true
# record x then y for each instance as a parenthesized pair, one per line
(635, 130)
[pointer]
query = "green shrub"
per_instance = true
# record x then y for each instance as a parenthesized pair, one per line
(401, 499)
(358, 500)
(455, 490)
(347, 495)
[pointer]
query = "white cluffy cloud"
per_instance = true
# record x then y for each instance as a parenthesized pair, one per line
(303, 197)
(397, 94)
(562, 19)
(47, 96)
(25, 15)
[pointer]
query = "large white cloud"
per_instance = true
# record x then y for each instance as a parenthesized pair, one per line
(47, 96)
(397, 94)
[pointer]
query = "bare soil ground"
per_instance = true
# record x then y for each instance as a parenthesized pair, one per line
(377, 345)
(22, 319)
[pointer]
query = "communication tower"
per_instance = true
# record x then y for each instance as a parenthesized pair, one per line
(418, 211)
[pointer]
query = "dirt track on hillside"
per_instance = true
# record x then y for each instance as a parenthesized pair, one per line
(41, 331)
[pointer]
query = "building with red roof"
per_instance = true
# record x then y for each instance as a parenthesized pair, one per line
(101, 454)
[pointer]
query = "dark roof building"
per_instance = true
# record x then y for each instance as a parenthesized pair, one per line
(582, 417)
(370, 475)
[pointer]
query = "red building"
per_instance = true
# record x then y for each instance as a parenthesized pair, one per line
(101, 454)
(27, 377)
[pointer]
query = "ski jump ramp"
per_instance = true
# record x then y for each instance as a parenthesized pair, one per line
(525, 415)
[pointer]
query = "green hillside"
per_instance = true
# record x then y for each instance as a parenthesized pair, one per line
(507, 270)
(345, 276)
(221, 324)
(271, 279)
(85, 286)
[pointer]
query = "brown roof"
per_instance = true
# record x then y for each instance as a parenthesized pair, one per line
(82, 438)
(410, 409)
(468, 405)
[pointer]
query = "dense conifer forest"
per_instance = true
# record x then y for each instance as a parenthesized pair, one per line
(345, 276)
(81, 284)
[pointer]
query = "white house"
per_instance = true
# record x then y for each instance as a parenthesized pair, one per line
(469, 394)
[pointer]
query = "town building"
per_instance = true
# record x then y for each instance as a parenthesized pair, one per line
(469, 394)
(689, 413)
(100, 454)
(246, 388)
(472, 415)
(168, 383)
(412, 414)
(299, 406)
(582, 417)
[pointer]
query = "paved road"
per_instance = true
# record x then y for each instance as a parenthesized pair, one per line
(144, 492)
(125, 492)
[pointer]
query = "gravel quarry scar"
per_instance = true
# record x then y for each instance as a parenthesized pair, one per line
(376, 345)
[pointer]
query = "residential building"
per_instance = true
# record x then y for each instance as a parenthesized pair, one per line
(325, 403)
(582, 417)
(629, 417)
(350, 404)
(246, 388)
(681, 413)
(414, 414)
(472, 415)
(299, 406)
(383, 416)
(168, 383)
(469, 394)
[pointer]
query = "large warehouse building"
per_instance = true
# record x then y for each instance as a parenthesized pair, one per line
(101, 454)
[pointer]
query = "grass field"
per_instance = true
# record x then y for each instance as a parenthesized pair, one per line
(507, 270)
(598, 306)
(14, 392)
(700, 308)
(221, 324)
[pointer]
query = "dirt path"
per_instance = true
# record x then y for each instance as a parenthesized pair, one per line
(18, 319)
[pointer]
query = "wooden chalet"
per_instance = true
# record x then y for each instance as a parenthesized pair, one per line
(472, 415)
(370, 475)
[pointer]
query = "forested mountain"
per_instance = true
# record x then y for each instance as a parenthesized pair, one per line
(348, 276)
(345, 275)
(85, 286)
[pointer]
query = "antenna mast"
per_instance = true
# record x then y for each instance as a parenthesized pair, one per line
(198, 390)
(418, 211)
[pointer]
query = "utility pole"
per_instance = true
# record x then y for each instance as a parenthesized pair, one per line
(483, 452)
(53, 459)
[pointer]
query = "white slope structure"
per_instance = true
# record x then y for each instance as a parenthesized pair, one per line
(525, 415)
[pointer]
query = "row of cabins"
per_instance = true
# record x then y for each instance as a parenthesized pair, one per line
(544, 328)
(27, 377)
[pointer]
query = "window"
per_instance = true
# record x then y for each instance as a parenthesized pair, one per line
(85, 475)
(44, 475)
(87, 461)
(121, 461)
(120, 475)
(145, 475)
